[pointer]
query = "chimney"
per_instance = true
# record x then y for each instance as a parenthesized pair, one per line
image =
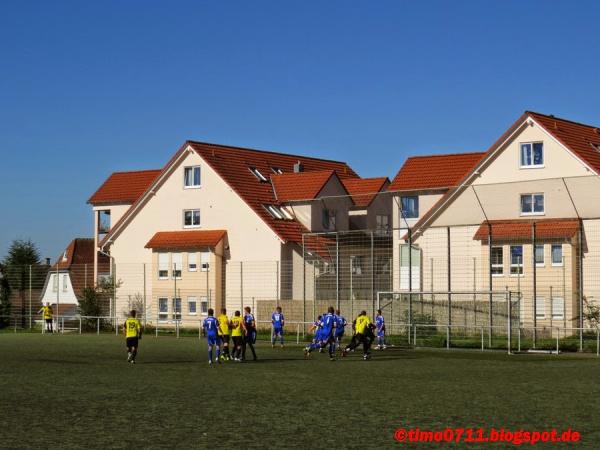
(47, 261)
(298, 167)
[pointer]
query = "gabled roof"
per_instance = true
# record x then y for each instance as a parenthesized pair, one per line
(300, 185)
(186, 239)
(434, 171)
(79, 252)
(123, 187)
(522, 229)
(233, 165)
(364, 190)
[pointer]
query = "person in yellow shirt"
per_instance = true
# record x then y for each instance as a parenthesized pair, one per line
(47, 314)
(237, 334)
(133, 333)
(363, 335)
(224, 332)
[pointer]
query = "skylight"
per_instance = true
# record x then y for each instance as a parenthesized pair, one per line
(595, 146)
(258, 175)
(277, 170)
(278, 212)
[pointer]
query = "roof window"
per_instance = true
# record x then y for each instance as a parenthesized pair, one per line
(258, 174)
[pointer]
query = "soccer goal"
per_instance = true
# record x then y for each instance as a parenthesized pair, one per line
(486, 319)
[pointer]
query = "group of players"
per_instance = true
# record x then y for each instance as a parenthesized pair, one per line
(328, 331)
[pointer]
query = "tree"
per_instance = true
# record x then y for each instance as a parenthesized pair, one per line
(21, 255)
(591, 313)
(4, 298)
(90, 305)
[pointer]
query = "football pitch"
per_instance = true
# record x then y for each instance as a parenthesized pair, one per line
(71, 391)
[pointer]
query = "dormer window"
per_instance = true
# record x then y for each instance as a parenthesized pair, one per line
(277, 170)
(279, 213)
(64, 257)
(595, 146)
(532, 155)
(258, 174)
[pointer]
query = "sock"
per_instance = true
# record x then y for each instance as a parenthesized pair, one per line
(133, 354)
(218, 352)
(210, 354)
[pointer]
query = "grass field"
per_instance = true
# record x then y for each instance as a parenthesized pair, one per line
(78, 391)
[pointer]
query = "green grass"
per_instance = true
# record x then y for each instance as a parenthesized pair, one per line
(77, 391)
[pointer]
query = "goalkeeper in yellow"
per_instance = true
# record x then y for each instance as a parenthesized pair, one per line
(363, 335)
(133, 333)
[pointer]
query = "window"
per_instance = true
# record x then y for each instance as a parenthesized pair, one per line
(104, 221)
(191, 218)
(382, 223)
(539, 255)
(328, 219)
(54, 283)
(204, 306)
(163, 266)
(516, 260)
(177, 308)
(558, 308)
(356, 265)
(205, 261)
(191, 177)
(382, 265)
(532, 204)
(532, 154)
(65, 282)
(410, 207)
(277, 170)
(177, 265)
(258, 175)
(540, 308)
(278, 212)
(192, 262)
(192, 306)
(163, 309)
(286, 214)
(497, 261)
(557, 255)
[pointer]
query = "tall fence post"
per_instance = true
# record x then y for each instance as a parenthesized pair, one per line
(241, 285)
(534, 272)
(337, 270)
(30, 310)
(509, 306)
(449, 282)
(373, 272)
(145, 306)
(304, 284)
(410, 312)
(580, 272)
(491, 286)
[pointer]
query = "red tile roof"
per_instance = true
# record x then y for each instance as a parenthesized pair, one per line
(579, 138)
(124, 187)
(522, 229)
(300, 186)
(364, 190)
(186, 239)
(434, 171)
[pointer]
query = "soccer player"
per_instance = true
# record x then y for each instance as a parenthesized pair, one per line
(237, 334)
(316, 340)
(211, 327)
(249, 332)
(47, 315)
(133, 333)
(339, 328)
(223, 322)
(327, 325)
(278, 322)
(364, 336)
(380, 326)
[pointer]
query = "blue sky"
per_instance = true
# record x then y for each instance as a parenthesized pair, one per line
(88, 88)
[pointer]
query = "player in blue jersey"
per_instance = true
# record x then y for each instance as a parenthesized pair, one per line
(249, 333)
(278, 322)
(210, 326)
(380, 328)
(340, 327)
(327, 326)
(316, 340)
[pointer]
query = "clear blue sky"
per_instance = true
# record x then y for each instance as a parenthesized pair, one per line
(88, 88)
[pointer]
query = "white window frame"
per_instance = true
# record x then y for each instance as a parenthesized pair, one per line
(204, 305)
(192, 262)
(54, 282)
(540, 311)
(194, 301)
(176, 265)
(174, 312)
(562, 255)
(521, 265)
(543, 262)
(403, 216)
(379, 225)
(192, 211)
(163, 316)
(561, 301)
(65, 283)
(532, 213)
(532, 165)
(164, 266)
(496, 266)
(204, 261)
(258, 174)
(193, 169)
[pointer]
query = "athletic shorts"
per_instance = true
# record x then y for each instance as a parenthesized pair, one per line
(327, 337)
(381, 333)
(225, 338)
(278, 331)
(237, 341)
(339, 335)
(250, 338)
(131, 342)
(213, 340)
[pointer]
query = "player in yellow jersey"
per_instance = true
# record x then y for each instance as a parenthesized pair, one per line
(224, 332)
(363, 335)
(237, 334)
(47, 315)
(133, 333)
